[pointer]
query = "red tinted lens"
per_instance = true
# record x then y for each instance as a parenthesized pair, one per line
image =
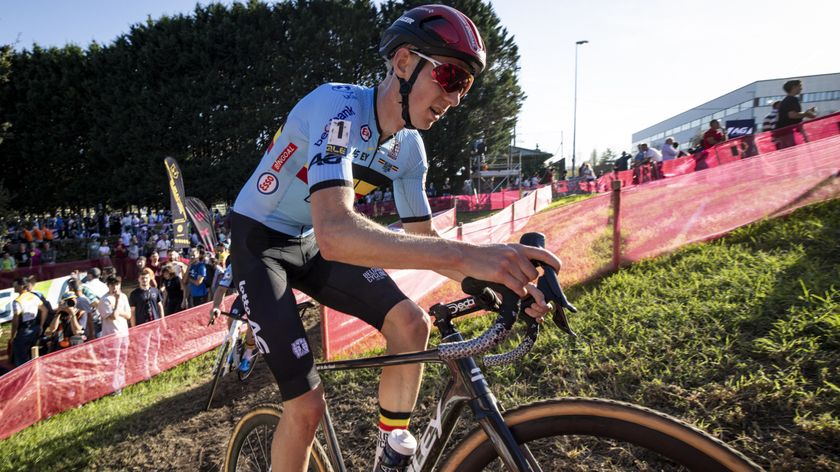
(452, 78)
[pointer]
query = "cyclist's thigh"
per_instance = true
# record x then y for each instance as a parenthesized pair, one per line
(364, 292)
(262, 282)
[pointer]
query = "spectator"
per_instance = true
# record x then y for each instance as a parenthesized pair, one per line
(431, 191)
(104, 253)
(153, 263)
(446, 188)
(22, 256)
(116, 313)
(669, 152)
(48, 254)
(133, 253)
(34, 255)
(653, 159)
(163, 246)
(586, 173)
(114, 308)
(146, 302)
(771, 118)
(93, 287)
(90, 322)
(121, 258)
(173, 291)
(66, 329)
(29, 314)
(8, 263)
(467, 188)
(178, 265)
(623, 162)
(790, 113)
(714, 135)
(197, 274)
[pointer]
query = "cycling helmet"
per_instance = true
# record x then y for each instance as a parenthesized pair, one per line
(433, 30)
(437, 30)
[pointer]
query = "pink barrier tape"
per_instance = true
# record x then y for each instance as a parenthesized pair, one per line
(71, 377)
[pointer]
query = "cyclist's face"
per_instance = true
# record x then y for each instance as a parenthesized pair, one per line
(428, 101)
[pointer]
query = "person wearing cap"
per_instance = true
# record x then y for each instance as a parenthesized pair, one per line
(68, 326)
(293, 224)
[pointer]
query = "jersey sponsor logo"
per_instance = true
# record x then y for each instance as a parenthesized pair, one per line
(320, 160)
(255, 327)
(406, 19)
(375, 274)
(387, 166)
(283, 157)
(345, 113)
(362, 156)
(267, 183)
(365, 132)
(300, 348)
(336, 149)
(456, 308)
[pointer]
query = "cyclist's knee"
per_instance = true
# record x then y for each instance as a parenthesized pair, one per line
(306, 410)
(407, 322)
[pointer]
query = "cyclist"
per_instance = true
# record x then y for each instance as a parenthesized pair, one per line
(293, 224)
(218, 297)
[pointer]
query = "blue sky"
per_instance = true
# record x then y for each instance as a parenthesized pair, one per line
(646, 60)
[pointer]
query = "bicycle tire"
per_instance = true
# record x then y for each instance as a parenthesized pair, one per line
(217, 375)
(263, 418)
(554, 430)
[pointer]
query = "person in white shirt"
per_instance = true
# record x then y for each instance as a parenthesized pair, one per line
(652, 156)
(114, 309)
(116, 316)
(668, 150)
(163, 245)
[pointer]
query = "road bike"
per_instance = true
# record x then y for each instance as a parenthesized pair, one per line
(231, 350)
(551, 435)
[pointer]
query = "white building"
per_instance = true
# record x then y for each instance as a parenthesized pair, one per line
(751, 101)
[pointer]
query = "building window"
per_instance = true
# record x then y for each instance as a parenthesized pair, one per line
(732, 110)
(695, 123)
(718, 115)
(746, 105)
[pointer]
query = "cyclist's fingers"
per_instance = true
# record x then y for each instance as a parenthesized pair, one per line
(538, 309)
(539, 254)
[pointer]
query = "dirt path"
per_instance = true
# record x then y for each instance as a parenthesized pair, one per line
(177, 434)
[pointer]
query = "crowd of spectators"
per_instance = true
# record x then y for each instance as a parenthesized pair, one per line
(93, 304)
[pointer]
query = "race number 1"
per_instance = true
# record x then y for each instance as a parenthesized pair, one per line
(339, 133)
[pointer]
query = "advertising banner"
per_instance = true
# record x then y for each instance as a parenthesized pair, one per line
(176, 194)
(738, 128)
(202, 219)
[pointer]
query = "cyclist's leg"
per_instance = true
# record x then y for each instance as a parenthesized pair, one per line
(371, 295)
(260, 263)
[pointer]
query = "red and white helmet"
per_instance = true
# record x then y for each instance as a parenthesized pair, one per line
(437, 30)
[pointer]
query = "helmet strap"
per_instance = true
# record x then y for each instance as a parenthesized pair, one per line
(405, 89)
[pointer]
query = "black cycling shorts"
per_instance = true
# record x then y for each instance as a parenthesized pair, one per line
(267, 265)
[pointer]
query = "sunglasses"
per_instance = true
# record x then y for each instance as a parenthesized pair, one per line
(450, 77)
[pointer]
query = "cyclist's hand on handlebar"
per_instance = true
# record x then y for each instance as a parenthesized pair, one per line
(508, 264)
(214, 313)
(539, 308)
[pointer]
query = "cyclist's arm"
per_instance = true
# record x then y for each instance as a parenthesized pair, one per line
(346, 236)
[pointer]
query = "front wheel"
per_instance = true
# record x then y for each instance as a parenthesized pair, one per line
(249, 448)
(595, 434)
(218, 372)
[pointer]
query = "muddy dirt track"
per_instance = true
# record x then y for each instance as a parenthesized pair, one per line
(178, 435)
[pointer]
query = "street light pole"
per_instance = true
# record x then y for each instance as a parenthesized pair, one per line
(574, 120)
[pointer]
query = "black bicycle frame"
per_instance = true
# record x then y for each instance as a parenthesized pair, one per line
(466, 386)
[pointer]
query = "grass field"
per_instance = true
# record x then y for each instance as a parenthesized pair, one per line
(740, 336)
